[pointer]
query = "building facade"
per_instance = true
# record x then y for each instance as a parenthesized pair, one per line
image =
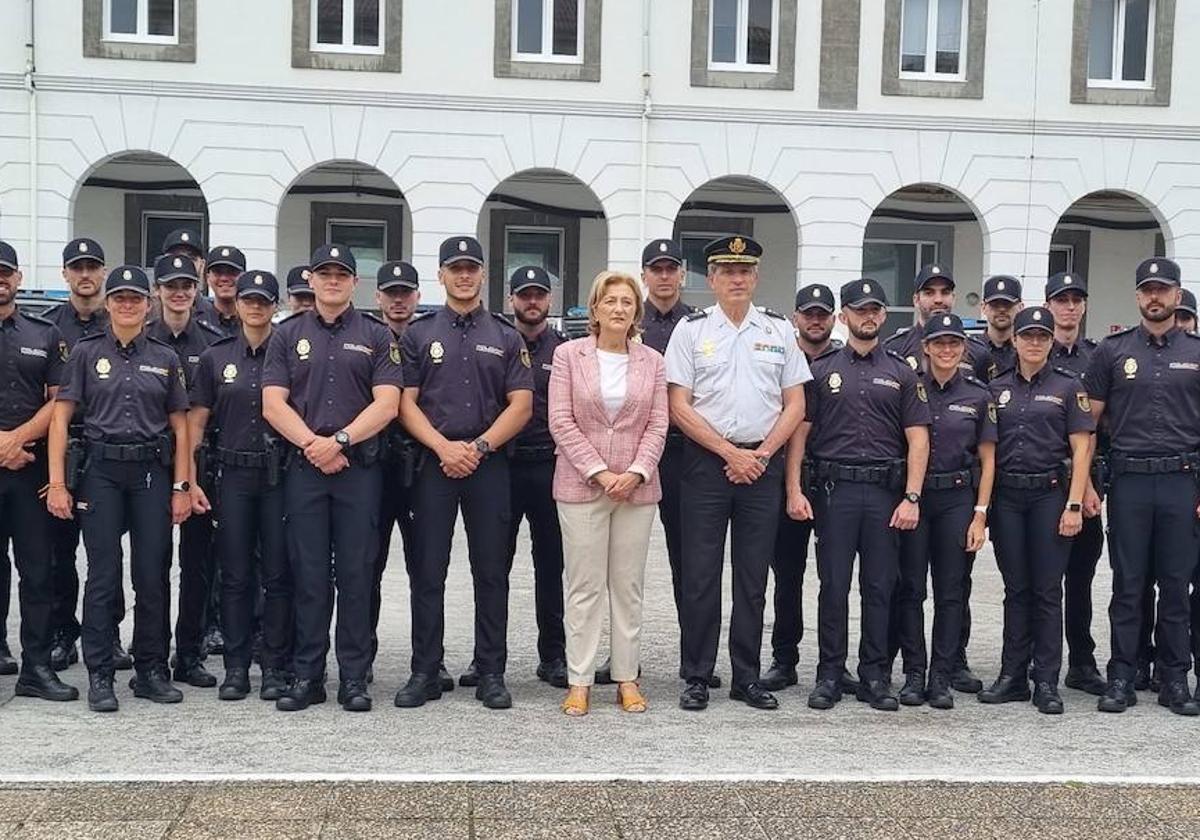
(848, 136)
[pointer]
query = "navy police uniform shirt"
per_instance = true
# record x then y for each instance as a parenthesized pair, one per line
(907, 343)
(657, 326)
(860, 406)
(66, 318)
(991, 360)
(541, 358)
(1036, 417)
(229, 384)
(32, 356)
(196, 337)
(329, 369)
(1075, 358)
(126, 391)
(1150, 389)
(963, 416)
(465, 366)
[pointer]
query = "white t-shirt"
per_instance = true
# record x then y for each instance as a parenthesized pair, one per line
(614, 368)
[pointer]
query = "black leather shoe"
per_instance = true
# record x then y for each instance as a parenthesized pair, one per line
(470, 677)
(236, 685)
(1047, 700)
(938, 693)
(213, 641)
(370, 674)
(1118, 697)
(604, 673)
(714, 680)
(966, 682)
(849, 684)
(1141, 679)
(101, 697)
(155, 685)
(1155, 683)
(447, 681)
(8, 665)
(122, 661)
(754, 696)
(1087, 679)
(274, 684)
(879, 694)
(695, 697)
(301, 694)
(40, 681)
(825, 695)
(554, 673)
(64, 654)
(352, 695)
(194, 674)
(1176, 697)
(913, 693)
(1006, 689)
(779, 677)
(492, 692)
(419, 689)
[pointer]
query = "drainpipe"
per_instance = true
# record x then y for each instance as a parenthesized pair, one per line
(646, 108)
(30, 69)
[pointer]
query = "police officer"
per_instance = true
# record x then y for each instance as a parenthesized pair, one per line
(221, 270)
(227, 402)
(470, 392)
(933, 294)
(185, 242)
(995, 353)
(82, 314)
(531, 472)
(176, 282)
(1042, 463)
(32, 354)
(866, 432)
(958, 488)
(1145, 382)
(1066, 298)
(735, 381)
(813, 322)
(1185, 313)
(331, 384)
(131, 390)
(300, 294)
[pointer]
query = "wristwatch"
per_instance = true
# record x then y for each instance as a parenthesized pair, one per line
(342, 439)
(181, 486)
(1074, 507)
(915, 498)
(482, 446)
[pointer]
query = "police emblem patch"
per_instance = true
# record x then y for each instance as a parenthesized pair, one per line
(1081, 399)
(63, 352)
(525, 360)
(1131, 368)
(437, 352)
(921, 395)
(229, 374)
(835, 383)
(303, 349)
(992, 412)
(394, 353)
(912, 362)
(103, 367)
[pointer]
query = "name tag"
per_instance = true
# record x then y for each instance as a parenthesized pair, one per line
(764, 347)
(487, 348)
(33, 351)
(965, 409)
(1050, 398)
(152, 369)
(1173, 365)
(547, 367)
(193, 360)
(887, 383)
(357, 348)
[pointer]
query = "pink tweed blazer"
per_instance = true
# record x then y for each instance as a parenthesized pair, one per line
(587, 441)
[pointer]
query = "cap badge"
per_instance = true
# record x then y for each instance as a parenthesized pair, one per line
(177, 263)
(395, 271)
(462, 245)
(866, 288)
(303, 348)
(1037, 316)
(1067, 280)
(1000, 286)
(127, 274)
(946, 321)
(1154, 268)
(816, 293)
(258, 281)
(662, 247)
(224, 252)
(737, 246)
(437, 352)
(83, 247)
(1131, 368)
(305, 274)
(103, 367)
(529, 275)
(185, 237)
(333, 252)
(229, 374)
(935, 270)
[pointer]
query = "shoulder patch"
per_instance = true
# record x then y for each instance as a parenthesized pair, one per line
(37, 319)
(771, 313)
(696, 315)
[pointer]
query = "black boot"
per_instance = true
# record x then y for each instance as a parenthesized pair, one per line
(878, 694)
(779, 676)
(1118, 697)
(8, 665)
(353, 697)
(274, 683)
(1175, 696)
(1006, 689)
(1047, 700)
(64, 653)
(301, 694)
(554, 673)
(122, 661)
(470, 677)
(938, 693)
(236, 685)
(101, 697)
(42, 682)
(966, 682)
(1086, 678)
(825, 695)
(155, 685)
(492, 692)
(913, 693)
(419, 689)
(194, 674)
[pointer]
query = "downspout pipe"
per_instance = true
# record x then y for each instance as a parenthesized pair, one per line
(644, 174)
(31, 88)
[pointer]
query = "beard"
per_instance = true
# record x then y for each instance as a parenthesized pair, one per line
(821, 336)
(864, 332)
(531, 317)
(1163, 314)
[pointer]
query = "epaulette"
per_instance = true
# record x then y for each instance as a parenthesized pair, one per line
(91, 336)
(1091, 342)
(898, 358)
(978, 383)
(1125, 331)
(696, 316)
(159, 342)
(420, 316)
(771, 313)
(834, 346)
(1066, 372)
(37, 319)
(292, 316)
(562, 336)
(204, 325)
(897, 335)
(502, 318)
(225, 339)
(371, 316)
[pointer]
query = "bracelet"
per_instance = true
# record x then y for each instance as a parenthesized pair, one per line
(981, 509)
(56, 485)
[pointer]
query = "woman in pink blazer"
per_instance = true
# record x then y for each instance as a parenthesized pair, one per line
(608, 417)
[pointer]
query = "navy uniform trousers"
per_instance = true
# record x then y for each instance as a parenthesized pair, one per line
(532, 497)
(1086, 549)
(195, 584)
(788, 563)
(27, 524)
(395, 511)
(670, 466)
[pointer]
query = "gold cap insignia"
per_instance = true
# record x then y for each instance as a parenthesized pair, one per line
(737, 246)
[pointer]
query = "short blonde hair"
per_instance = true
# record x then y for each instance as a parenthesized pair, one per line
(600, 286)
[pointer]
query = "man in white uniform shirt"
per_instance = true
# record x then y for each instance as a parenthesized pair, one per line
(735, 378)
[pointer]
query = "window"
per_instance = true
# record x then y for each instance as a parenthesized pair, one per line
(933, 39)
(894, 265)
(141, 21)
(155, 225)
(540, 246)
(1120, 46)
(547, 30)
(367, 239)
(350, 26)
(1062, 259)
(744, 35)
(374, 231)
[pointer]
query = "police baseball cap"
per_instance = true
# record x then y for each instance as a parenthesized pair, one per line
(932, 272)
(82, 249)
(816, 296)
(8, 256)
(170, 267)
(733, 249)
(1033, 318)
(1001, 287)
(1066, 281)
(297, 281)
(1187, 303)
(225, 255)
(662, 249)
(397, 273)
(859, 293)
(458, 248)
(529, 276)
(258, 283)
(945, 324)
(334, 254)
(184, 238)
(1158, 270)
(128, 278)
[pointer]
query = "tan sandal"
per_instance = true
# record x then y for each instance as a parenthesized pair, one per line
(630, 697)
(576, 702)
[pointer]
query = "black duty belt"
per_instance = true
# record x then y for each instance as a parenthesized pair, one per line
(675, 437)
(861, 473)
(950, 480)
(1186, 462)
(1029, 481)
(533, 453)
(234, 458)
(125, 451)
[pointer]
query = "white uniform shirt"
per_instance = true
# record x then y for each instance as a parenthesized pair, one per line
(736, 373)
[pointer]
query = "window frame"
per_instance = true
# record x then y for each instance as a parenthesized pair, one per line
(1118, 50)
(931, 45)
(558, 291)
(740, 65)
(142, 35)
(180, 219)
(545, 56)
(903, 305)
(348, 32)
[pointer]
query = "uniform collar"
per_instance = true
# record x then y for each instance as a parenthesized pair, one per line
(1167, 337)
(673, 314)
(534, 344)
(1037, 377)
(870, 355)
(162, 331)
(244, 349)
(457, 320)
(137, 345)
(720, 319)
(933, 383)
(346, 317)
(1060, 349)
